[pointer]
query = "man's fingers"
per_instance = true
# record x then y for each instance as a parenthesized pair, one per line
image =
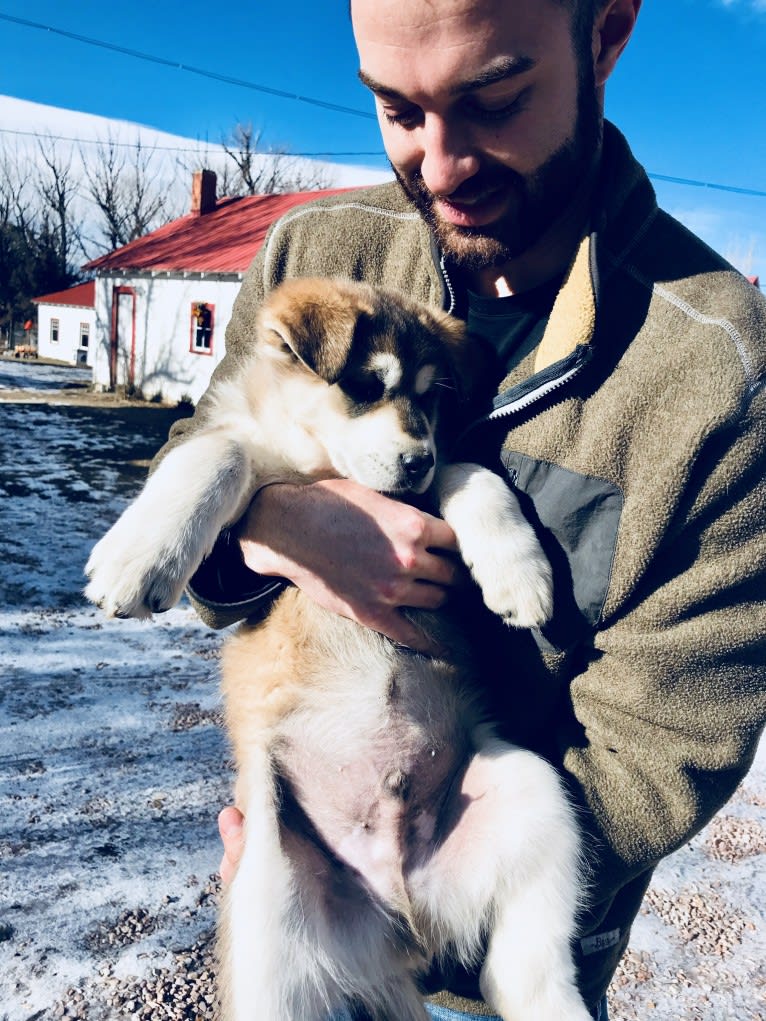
(438, 535)
(231, 827)
(399, 629)
(441, 569)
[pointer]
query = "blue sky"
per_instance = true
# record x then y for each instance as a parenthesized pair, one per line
(689, 92)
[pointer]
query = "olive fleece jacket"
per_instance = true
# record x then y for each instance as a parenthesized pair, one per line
(635, 436)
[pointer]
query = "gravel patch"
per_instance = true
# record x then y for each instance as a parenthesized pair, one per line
(113, 767)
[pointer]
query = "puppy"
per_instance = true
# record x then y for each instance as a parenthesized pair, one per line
(386, 824)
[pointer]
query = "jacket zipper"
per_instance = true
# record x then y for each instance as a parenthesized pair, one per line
(520, 397)
(543, 383)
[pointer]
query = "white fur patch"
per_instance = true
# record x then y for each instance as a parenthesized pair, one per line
(425, 378)
(388, 368)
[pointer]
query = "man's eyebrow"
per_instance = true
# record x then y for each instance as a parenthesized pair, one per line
(377, 87)
(497, 71)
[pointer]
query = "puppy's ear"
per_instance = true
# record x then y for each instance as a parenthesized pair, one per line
(315, 321)
(461, 354)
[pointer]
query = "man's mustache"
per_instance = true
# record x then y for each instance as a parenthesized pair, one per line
(484, 182)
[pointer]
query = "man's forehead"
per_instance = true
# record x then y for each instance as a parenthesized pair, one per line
(464, 44)
(415, 14)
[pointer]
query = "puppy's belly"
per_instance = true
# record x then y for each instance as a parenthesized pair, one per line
(369, 742)
(376, 810)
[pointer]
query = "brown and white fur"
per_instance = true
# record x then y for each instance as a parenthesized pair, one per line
(386, 825)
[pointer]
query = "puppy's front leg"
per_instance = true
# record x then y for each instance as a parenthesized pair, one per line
(144, 561)
(497, 543)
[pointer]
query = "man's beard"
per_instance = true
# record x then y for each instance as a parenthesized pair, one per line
(540, 199)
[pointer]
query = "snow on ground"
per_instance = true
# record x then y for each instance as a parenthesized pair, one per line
(113, 767)
(112, 764)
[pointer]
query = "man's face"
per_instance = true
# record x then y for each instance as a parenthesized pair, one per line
(489, 120)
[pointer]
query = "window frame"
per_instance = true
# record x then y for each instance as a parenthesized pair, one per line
(195, 327)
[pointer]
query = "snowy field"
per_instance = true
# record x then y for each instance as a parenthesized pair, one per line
(113, 767)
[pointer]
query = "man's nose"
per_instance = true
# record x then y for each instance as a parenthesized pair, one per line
(448, 158)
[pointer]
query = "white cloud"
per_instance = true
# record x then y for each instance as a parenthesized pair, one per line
(757, 6)
(729, 231)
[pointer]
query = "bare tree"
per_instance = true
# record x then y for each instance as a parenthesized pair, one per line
(57, 189)
(271, 172)
(38, 233)
(123, 187)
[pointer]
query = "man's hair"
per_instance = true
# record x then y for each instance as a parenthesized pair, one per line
(584, 9)
(583, 14)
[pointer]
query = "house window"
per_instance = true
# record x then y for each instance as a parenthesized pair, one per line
(84, 334)
(202, 316)
(54, 331)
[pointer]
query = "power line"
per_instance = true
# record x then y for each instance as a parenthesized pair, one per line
(379, 153)
(177, 65)
(338, 108)
(708, 184)
(45, 136)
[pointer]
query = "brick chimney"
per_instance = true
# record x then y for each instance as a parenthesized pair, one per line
(203, 192)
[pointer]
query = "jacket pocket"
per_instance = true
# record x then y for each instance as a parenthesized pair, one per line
(577, 518)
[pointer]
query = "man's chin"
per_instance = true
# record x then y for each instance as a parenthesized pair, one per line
(472, 249)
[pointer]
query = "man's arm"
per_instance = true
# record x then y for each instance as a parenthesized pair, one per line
(668, 713)
(353, 551)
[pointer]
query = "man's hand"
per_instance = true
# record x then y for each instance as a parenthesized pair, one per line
(354, 551)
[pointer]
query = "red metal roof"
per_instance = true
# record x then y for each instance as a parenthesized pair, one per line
(83, 295)
(224, 240)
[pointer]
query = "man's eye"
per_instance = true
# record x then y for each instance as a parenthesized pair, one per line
(504, 111)
(406, 118)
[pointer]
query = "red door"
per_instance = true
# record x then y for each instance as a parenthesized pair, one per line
(122, 348)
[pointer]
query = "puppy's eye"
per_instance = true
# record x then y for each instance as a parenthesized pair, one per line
(366, 389)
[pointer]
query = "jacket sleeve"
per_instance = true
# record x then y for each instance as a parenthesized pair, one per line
(668, 711)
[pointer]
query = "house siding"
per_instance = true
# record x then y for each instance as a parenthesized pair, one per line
(67, 348)
(153, 347)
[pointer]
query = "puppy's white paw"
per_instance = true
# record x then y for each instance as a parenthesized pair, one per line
(498, 544)
(132, 576)
(517, 583)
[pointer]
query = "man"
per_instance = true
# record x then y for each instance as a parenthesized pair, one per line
(629, 417)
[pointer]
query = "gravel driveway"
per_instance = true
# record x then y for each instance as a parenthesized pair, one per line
(113, 766)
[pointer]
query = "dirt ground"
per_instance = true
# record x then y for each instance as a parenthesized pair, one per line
(113, 766)
(112, 760)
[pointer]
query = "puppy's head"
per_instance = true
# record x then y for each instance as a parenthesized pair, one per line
(369, 366)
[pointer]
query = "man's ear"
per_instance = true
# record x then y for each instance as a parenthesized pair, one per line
(612, 29)
(309, 319)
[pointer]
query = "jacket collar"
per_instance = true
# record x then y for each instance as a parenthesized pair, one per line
(624, 203)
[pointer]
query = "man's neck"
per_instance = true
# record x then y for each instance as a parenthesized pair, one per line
(549, 257)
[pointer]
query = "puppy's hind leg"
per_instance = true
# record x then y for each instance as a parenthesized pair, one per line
(508, 865)
(252, 947)
(529, 971)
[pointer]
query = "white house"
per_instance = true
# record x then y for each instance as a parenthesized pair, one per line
(162, 302)
(66, 324)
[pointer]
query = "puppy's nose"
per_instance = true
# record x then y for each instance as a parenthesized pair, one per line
(418, 465)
